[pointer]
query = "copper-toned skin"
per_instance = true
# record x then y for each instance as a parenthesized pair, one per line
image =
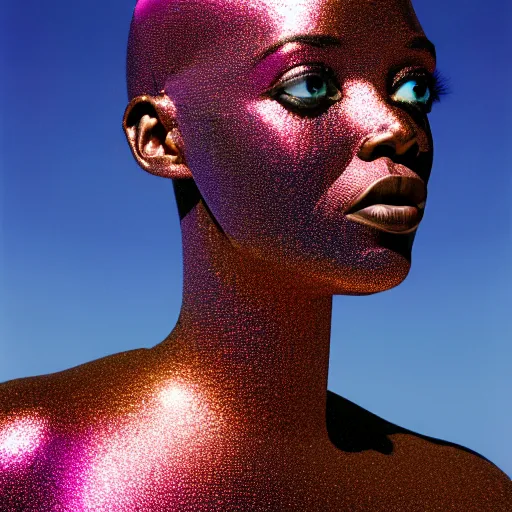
(231, 411)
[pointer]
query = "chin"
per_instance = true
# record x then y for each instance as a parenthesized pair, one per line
(360, 261)
(365, 266)
(380, 271)
(377, 282)
(368, 271)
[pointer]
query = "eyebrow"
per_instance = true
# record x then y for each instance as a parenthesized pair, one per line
(422, 43)
(325, 41)
(318, 40)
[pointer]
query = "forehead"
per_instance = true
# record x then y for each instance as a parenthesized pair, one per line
(170, 36)
(289, 16)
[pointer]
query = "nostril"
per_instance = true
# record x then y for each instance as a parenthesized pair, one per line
(391, 145)
(383, 144)
(410, 157)
(383, 150)
(369, 151)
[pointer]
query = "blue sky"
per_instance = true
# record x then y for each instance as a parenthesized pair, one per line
(91, 254)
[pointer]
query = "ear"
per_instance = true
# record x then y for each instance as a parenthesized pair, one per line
(149, 123)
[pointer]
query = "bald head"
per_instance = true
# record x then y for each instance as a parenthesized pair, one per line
(169, 41)
(157, 46)
(168, 36)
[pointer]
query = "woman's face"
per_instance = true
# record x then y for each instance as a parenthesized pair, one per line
(281, 139)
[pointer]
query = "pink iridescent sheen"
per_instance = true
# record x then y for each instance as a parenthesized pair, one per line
(299, 174)
(20, 439)
(231, 410)
(125, 456)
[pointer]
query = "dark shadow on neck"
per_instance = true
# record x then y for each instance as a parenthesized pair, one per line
(188, 196)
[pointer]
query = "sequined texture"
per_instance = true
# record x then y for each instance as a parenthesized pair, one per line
(268, 146)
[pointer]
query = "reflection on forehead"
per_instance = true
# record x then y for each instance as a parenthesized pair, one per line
(289, 14)
(294, 15)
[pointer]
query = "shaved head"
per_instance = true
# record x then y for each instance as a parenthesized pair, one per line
(157, 46)
(272, 116)
(167, 36)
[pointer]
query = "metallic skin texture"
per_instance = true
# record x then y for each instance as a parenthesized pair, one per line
(231, 411)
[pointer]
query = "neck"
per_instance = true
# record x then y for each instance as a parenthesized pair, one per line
(259, 337)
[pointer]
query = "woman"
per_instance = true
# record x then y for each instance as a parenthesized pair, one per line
(297, 137)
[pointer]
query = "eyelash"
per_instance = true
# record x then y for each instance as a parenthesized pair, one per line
(300, 105)
(437, 83)
(439, 86)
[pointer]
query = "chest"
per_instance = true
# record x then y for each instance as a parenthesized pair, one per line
(162, 471)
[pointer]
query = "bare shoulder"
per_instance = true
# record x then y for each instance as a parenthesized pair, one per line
(44, 421)
(451, 473)
(81, 388)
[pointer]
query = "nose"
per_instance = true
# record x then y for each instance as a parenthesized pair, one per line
(394, 143)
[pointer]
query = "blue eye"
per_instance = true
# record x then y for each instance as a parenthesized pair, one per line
(312, 86)
(413, 91)
(307, 90)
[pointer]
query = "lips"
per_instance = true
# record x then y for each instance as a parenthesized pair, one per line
(394, 204)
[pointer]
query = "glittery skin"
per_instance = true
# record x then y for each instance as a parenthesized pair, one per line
(231, 410)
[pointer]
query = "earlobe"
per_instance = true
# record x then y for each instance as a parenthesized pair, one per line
(153, 136)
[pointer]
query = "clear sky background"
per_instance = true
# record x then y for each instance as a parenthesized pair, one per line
(91, 247)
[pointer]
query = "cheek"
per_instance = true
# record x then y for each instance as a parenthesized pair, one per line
(277, 185)
(261, 169)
